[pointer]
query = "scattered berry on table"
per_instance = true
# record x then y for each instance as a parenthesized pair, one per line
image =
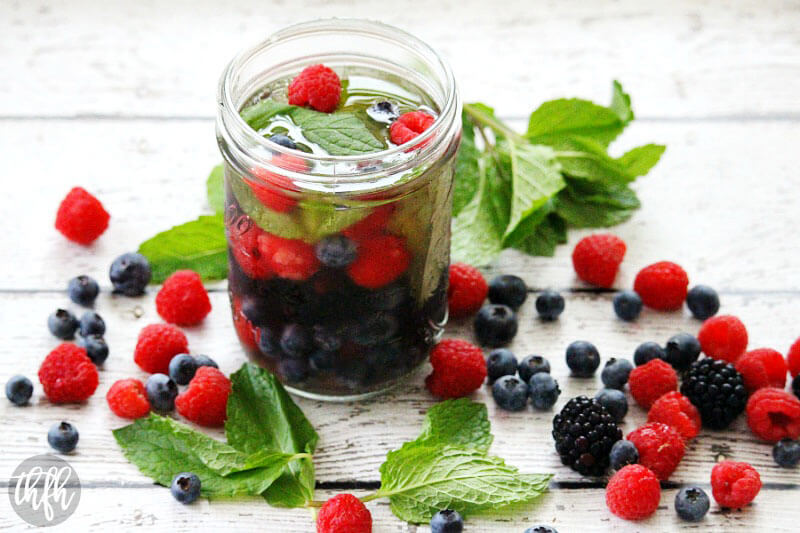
(19, 390)
(508, 289)
(458, 369)
(318, 87)
(662, 286)
(682, 350)
(763, 367)
(495, 325)
(633, 493)
(510, 393)
(205, 400)
(627, 305)
(647, 351)
(204, 360)
(549, 305)
(584, 433)
(691, 504)
(616, 372)
(675, 410)
(623, 453)
(466, 291)
(283, 140)
(96, 348)
(544, 390)
(500, 362)
(652, 380)
(344, 512)
(614, 401)
(773, 414)
(723, 337)
(185, 487)
(161, 392)
(288, 258)
(83, 290)
(717, 390)
(130, 273)
(541, 529)
(373, 225)
(409, 125)
(127, 398)
(68, 375)
(62, 437)
(336, 251)
(582, 359)
(157, 345)
(793, 359)
(447, 521)
(81, 217)
(383, 112)
(702, 301)
(660, 446)
(381, 260)
(733, 484)
(63, 324)
(596, 258)
(786, 453)
(182, 368)
(91, 324)
(533, 364)
(183, 299)
(296, 340)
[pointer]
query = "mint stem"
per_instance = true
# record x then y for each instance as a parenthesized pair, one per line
(485, 119)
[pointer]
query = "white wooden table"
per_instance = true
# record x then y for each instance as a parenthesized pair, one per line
(119, 98)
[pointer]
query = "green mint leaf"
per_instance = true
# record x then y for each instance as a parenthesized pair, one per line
(258, 116)
(591, 205)
(466, 179)
(338, 133)
(583, 157)
(283, 225)
(460, 422)
(621, 103)
(215, 190)
(545, 237)
(639, 161)
(198, 245)
(321, 219)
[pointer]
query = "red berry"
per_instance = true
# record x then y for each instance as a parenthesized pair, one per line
(274, 190)
(372, 225)
(247, 332)
(458, 369)
(318, 87)
(467, 290)
(675, 410)
(157, 345)
(81, 217)
(760, 368)
(128, 399)
(344, 513)
(633, 493)
(381, 260)
(662, 286)
(793, 358)
(288, 258)
(68, 375)
(183, 299)
(409, 125)
(596, 258)
(651, 381)
(723, 337)
(733, 484)
(660, 446)
(773, 414)
(243, 235)
(205, 400)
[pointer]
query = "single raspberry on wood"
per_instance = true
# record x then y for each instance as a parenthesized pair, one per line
(596, 258)
(458, 369)
(81, 217)
(157, 345)
(660, 446)
(675, 410)
(316, 86)
(773, 414)
(652, 380)
(409, 125)
(793, 358)
(761, 368)
(344, 513)
(662, 286)
(68, 375)
(205, 400)
(127, 398)
(733, 484)
(183, 299)
(633, 493)
(381, 260)
(723, 337)
(467, 290)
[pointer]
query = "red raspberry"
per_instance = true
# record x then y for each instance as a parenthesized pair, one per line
(247, 332)
(317, 86)
(773, 414)
(458, 369)
(288, 258)
(409, 125)
(633, 493)
(793, 358)
(68, 375)
(675, 410)
(662, 286)
(660, 446)
(370, 226)
(271, 188)
(760, 368)
(381, 260)
(467, 290)
(128, 399)
(733, 484)
(723, 337)
(81, 217)
(651, 381)
(157, 345)
(183, 299)
(243, 235)
(596, 258)
(344, 513)
(205, 400)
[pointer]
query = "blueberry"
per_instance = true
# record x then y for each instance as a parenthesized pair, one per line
(623, 453)
(293, 370)
(256, 310)
(702, 301)
(336, 251)
(500, 362)
(615, 373)
(161, 392)
(508, 290)
(268, 341)
(19, 390)
(549, 305)
(796, 385)
(495, 325)
(510, 393)
(96, 348)
(383, 112)
(614, 401)
(130, 273)
(83, 290)
(582, 359)
(204, 360)
(647, 351)
(691, 504)
(543, 390)
(541, 529)
(182, 368)
(786, 453)
(283, 140)
(627, 305)
(447, 521)
(322, 360)
(376, 329)
(682, 350)
(185, 487)
(326, 338)
(63, 437)
(62, 324)
(91, 324)
(533, 364)
(387, 298)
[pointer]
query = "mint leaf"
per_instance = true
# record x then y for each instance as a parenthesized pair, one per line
(215, 190)
(281, 224)
(258, 116)
(583, 157)
(321, 219)
(338, 133)
(460, 422)
(621, 103)
(639, 161)
(465, 183)
(198, 245)
(589, 205)
(545, 237)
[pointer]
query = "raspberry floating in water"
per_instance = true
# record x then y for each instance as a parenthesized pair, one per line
(318, 87)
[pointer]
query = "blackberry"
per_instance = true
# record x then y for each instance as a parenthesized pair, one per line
(717, 390)
(584, 433)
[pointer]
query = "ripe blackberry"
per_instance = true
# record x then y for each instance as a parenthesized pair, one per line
(717, 390)
(584, 432)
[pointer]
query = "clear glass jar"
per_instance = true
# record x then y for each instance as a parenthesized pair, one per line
(338, 333)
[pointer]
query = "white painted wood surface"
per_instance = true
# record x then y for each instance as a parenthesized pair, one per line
(119, 98)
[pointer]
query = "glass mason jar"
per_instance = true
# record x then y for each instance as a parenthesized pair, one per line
(350, 332)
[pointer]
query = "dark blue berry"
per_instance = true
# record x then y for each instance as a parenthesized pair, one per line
(293, 370)
(500, 362)
(92, 324)
(549, 305)
(691, 504)
(283, 140)
(647, 351)
(582, 359)
(682, 350)
(383, 112)
(786, 453)
(495, 325)
(161, 392)
(614, 401)
(387, 298)
(543, 390)
(19, 390)
(627, 305)
(533, 364)
(336, 251)
(796, 385)
(447, 521)
(63, 437)
(322, 360)
(185, 487)
(326, 338)
(376, 329)
(269, 342)
(96, 348)
(182, 368)
(83, 290)
(623, 453)
(616, 372)
(702, 301)
(541, 529)
(204, 360)
(256, 310)
(130, 273)
(510, 393)
(508, 290)
(62, 324)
